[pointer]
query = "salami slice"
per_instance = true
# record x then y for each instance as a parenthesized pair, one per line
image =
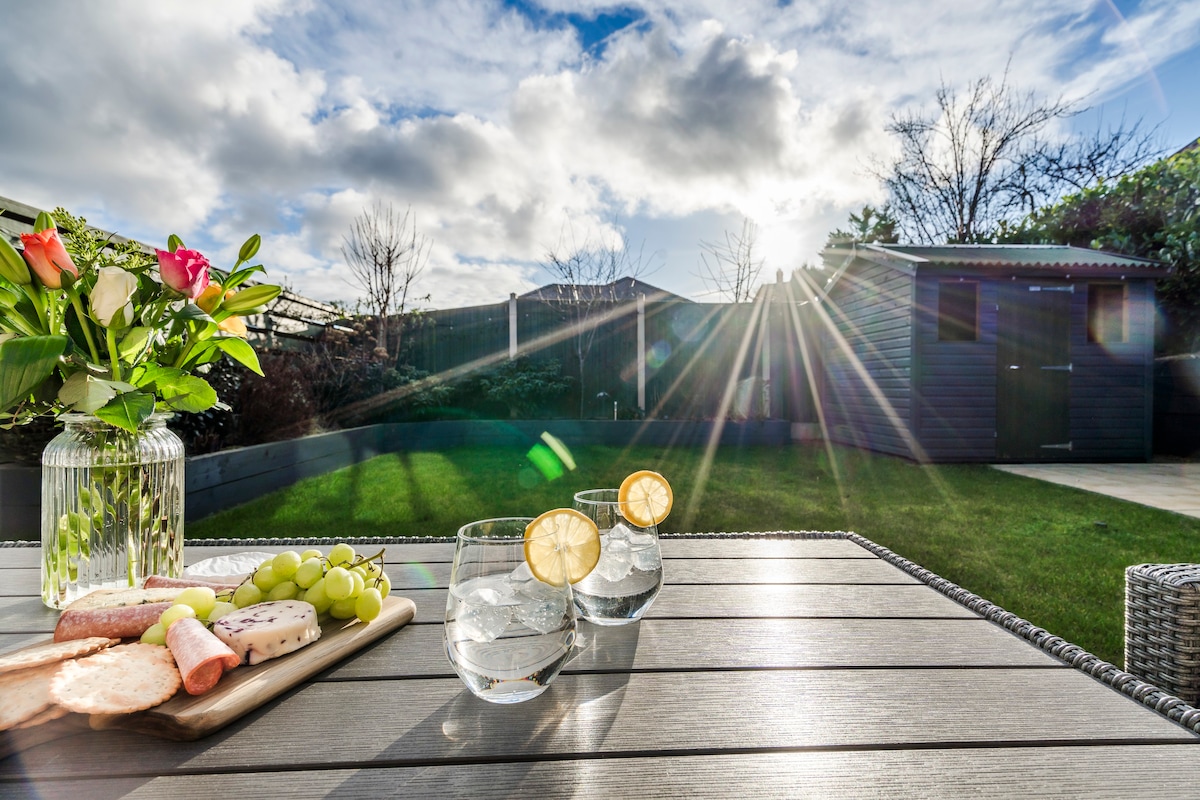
(118, 622)
(163, 582)
(201, 657)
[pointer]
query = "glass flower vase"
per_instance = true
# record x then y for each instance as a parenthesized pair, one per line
(112, 507)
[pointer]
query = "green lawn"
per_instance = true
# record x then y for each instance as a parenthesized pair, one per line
(1053, 555)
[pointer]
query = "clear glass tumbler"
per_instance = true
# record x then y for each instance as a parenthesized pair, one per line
(507, 634)
(630, 572)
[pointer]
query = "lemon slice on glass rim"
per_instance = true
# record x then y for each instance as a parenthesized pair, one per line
(645, 498)
(569, 532)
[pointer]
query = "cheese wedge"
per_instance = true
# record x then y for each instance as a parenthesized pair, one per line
(268, 630)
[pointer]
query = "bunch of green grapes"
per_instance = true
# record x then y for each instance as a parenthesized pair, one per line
(342, 583)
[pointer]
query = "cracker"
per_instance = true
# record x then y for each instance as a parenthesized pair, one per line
(119, 680)
(52, 652)
(44, 716)
(25, 693)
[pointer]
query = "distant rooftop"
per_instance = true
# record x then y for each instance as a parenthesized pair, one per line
(622, 290)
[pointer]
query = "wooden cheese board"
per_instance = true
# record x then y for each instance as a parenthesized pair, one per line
(241, 690)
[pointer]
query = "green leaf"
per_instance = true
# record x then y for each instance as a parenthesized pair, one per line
(43, 222)
(25, 363)
(12, 266)
(86, 393)
(241, 276)
(190, 394)
(251, 297)
(240, 351)
(174, 243)
(133, 343)
(191, 312)
(127, 410)
(155, 376)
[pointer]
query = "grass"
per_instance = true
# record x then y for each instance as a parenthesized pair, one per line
(1053, 555)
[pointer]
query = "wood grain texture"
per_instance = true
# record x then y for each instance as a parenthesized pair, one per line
(430, 721)
(691, 644)
(1120, 772)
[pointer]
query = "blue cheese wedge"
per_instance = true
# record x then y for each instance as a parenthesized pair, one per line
(268, 630)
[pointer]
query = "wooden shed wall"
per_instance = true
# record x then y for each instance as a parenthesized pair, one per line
(955, 382)
(873, 309)
(1112, 385)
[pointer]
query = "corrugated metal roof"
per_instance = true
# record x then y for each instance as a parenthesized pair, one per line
(1014, 255)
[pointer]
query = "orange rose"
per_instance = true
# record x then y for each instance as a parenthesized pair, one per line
(46, 255)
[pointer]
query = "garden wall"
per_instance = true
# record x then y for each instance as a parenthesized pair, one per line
(222, 480)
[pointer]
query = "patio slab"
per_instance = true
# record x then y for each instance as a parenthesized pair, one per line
(1171, 486)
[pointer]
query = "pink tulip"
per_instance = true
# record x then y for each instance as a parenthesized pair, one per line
(185, 271)
(46, 255)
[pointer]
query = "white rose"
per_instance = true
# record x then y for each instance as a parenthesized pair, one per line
(111, 299)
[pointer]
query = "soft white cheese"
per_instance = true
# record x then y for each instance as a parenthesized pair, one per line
(268, 630)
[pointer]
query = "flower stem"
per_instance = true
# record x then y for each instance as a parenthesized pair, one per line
(113, 355)
(87, 328)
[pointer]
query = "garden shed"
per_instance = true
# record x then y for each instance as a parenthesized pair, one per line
(989, 353)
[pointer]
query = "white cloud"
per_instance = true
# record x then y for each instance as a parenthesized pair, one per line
(218, 119)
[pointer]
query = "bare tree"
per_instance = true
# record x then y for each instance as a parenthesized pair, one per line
(586, 276)
(981, 161)
(731, 267)
(385, 255)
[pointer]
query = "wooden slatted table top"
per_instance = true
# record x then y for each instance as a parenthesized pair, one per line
(788, 665)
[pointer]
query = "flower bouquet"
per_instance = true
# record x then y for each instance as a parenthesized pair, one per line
(111, 340)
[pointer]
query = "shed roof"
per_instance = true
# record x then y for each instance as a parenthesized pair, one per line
(1000, 259)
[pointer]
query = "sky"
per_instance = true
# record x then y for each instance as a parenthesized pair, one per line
(512, 129)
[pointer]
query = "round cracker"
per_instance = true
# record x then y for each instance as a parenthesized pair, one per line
(119, 680)
(52, 652)
(25, 693)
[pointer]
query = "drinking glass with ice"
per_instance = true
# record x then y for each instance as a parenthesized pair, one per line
(629, 573)
(507, 634)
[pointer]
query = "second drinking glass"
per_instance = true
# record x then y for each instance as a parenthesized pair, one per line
(630, 572)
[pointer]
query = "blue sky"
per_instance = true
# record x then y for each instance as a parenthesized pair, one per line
(509, 126)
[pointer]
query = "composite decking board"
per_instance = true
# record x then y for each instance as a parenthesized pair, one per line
(431, 721)
(28, 615)
(691, 644)
(409, 575)
(1100, 772)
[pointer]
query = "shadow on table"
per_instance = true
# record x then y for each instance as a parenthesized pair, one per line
(574, 717)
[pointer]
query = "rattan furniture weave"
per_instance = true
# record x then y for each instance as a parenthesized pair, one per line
(1162, 627)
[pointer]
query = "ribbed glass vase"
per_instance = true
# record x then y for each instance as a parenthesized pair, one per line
(112, 507)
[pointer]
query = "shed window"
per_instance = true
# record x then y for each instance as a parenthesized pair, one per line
(958, 311)
(1108, 314)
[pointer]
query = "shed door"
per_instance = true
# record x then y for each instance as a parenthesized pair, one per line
(1033, 420)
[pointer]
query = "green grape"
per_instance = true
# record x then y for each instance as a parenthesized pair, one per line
(285, 590)
(309, 572)
(311, 552)
(265, 577)
(372, 569)
(341, 554)
(344, 608)
(369, 604)
(200, 598)
(384, 584)
(338, 583)
(359, 584)
(316, 597)
(247, 595)
(285, 564)
(176, 613)
(221, 608)
(155, 634)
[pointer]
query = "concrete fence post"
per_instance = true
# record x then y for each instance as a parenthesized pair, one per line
(641, 351)
(512, 325)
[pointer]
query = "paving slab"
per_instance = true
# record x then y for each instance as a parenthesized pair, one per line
(1171, 486)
